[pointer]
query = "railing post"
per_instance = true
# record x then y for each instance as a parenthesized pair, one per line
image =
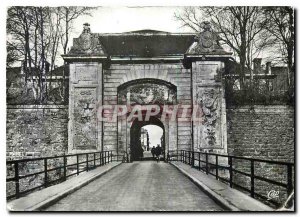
(94, 159)
(199, 160)
(17, 179)
(65, 168)
(111, 156)
(45, 173)
(217, 167)
(188, 157)
(87, 162)
(230, 171)
(108, 156)
(193, 158)
(252, 178)
(77, 163)
(206, 161)
(105, 157)
(289, 179)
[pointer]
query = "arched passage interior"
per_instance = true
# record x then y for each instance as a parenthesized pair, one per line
(136, 149)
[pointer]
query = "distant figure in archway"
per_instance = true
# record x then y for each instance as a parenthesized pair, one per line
(153, 152)
(158, 152)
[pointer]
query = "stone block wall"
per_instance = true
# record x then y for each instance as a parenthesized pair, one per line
(36, 131)
(263, 132)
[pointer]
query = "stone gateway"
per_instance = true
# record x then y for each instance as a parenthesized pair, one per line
(146, 68)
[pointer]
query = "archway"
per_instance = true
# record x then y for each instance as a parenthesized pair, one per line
(145, 92)
(136, 149)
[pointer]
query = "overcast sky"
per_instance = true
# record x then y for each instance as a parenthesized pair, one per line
(124, 19)
(155, 133)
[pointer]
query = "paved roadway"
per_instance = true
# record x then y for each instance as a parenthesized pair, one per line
(138, 186)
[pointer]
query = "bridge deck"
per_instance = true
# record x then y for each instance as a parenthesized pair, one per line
(139, 186)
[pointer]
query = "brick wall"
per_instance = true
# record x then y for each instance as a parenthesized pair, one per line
(264, 132)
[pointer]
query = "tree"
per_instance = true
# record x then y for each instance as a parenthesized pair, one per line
(69, 14)
(36, 37)
(238, 28)
(280, 36)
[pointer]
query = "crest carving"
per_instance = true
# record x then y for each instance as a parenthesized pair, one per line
(209, 101)
(206, 42)
(87, 43)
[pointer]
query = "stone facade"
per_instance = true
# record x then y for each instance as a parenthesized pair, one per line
(85, 95)
(209, 135)
(173, 73)
(146, 72)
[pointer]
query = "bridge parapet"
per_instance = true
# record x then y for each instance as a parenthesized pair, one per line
(28, 175)
(210, 165)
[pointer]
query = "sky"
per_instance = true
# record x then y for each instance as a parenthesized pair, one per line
(123, 19)
(117, 19)
(155, 133)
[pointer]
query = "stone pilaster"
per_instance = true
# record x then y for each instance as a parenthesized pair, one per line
(85, 130)
(208, 94)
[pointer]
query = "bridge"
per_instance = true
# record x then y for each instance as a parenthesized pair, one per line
(98, 182)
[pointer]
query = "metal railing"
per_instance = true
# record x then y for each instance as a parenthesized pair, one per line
(203, 164)
(81, 162)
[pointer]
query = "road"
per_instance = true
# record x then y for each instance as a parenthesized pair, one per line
(138, 186)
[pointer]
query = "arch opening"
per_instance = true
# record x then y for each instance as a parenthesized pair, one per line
(138, 149)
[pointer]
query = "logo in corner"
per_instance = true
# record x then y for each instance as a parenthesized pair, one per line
(273, 194)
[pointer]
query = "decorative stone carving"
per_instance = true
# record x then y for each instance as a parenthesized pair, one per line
(206, 42)
(85, 122)
(209, 131)
(86, 28)
(87, 44)
(147, 93)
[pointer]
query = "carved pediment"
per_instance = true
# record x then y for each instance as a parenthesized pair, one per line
(87, 44)
(206, 42)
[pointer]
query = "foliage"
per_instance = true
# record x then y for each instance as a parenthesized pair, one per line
(279, 36)
(248, 31)
(255, 93)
